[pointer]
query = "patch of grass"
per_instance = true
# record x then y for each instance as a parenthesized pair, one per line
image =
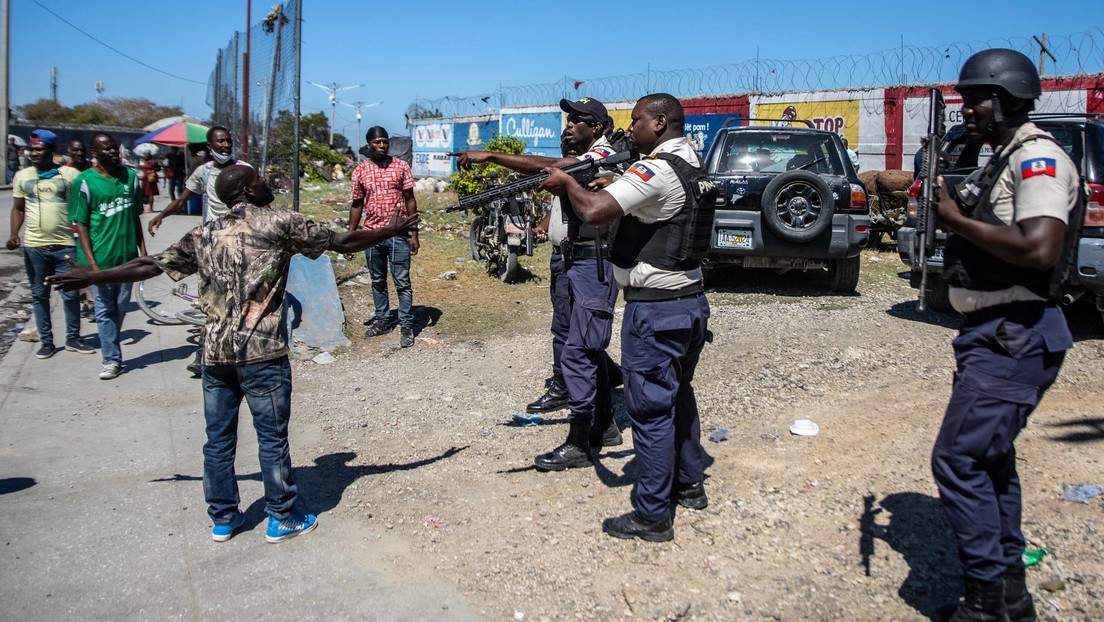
(471, 306)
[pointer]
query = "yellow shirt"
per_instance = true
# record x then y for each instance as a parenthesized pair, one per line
(47, 206)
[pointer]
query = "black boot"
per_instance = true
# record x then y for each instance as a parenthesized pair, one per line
(554, 398)
(1017, 600)
(604, 431)
(983, 602)
(574, 453)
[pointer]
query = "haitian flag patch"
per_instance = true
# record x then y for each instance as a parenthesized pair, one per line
(1037, 166)
(602, 152)
(641, 171)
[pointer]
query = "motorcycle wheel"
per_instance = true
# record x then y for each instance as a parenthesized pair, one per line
(474, 233)
(507, 264)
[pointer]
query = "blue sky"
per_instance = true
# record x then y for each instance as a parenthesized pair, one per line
(428, 49)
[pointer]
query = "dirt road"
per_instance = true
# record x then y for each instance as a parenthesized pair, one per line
(420, 448)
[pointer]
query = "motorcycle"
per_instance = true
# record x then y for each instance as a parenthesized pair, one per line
(502, 232)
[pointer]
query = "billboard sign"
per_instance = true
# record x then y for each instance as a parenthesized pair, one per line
(539, 130)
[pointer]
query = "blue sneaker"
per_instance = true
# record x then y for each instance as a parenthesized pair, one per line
(293, 525)
(222, 533)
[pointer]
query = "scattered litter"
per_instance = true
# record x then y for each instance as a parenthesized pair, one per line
(429, 340)
(324, 359)
(804, 427)
(461, 259)
(435, 522)
(361, 270)
(1034, 556)
(1060, 604)
(1052, 586)
(1082, 493)
(527, 420)
(29, 333)
(447, 276)
(719, 435)
(363, 280)
(356, 389)
(519, 615)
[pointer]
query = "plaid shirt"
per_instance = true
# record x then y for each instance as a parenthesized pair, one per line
(382, 190)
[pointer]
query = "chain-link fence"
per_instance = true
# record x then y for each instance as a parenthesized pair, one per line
(1069, 55)
(265, 134)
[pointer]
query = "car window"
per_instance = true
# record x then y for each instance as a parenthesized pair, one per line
(777, 152)
(966, 155)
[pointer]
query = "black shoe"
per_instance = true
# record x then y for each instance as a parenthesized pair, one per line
(79, 346)
(406, 337)
(194, 368)
(604, 432)
(983, 602)
(630, 525)
(46, 350)
(375, 329)
(691, 496)
(573, 454)
(1017, 600)
(554, 398)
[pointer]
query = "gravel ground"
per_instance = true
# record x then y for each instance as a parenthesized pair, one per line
(420, 447)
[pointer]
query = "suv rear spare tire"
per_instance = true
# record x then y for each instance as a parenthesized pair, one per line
(797, 206)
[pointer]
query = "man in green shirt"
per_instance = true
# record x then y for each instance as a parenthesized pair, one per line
(105, 208)
(40, 199)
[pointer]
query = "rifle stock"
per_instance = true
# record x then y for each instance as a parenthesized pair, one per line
(926, 208)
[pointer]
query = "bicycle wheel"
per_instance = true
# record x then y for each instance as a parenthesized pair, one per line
(161, 298)
(195, 317)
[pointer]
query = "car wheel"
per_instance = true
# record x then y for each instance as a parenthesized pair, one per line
(845, 273)
(797, 206)
(936, 296)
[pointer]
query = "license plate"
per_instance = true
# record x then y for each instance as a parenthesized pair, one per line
(739, 238)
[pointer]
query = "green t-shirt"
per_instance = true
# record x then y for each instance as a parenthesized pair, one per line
(110, 208)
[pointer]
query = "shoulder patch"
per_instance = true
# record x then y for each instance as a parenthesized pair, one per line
(642, 171)
(601, 152)
(1037, 166)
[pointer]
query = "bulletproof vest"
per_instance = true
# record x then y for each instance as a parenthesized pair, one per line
(580, 231)
(967, 265)
(680, 242)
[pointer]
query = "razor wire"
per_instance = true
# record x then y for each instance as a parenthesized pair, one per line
(271, 90)
(1074, 55)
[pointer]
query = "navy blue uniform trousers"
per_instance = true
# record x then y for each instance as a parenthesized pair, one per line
(660, 346)
(590, 327)
(1007, 357)
(561, 309)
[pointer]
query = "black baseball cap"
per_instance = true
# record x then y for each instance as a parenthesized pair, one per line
(586, 106)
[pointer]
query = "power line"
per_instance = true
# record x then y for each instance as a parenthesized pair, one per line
(123, 54)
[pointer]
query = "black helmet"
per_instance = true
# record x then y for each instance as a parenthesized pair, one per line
(1008, 69)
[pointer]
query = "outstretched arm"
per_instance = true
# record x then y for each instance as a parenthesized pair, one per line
(355, 241)
(528, 164)
(173, 208)
(596, 208)
(78, 276)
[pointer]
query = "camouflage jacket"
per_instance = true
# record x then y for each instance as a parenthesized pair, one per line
(242, 259)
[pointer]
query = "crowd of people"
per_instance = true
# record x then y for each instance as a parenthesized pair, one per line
(640, 230)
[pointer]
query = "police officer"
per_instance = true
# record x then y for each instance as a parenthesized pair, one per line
(582, 360)
(664, 326)
(1013, 226)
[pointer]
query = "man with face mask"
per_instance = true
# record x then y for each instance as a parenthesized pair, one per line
(242, 259)
(220, 144)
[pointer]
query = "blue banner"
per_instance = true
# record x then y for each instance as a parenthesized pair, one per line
(700, 129)
(539, 130)
(472, 134)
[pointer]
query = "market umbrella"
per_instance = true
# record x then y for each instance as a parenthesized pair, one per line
(177, 135)
(160, 123)
(150, 148)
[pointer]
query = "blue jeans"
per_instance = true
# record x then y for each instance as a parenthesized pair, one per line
(396, 253)
(40, 264)
(266, 387)
(111, 302)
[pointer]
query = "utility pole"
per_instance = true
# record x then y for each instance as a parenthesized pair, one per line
(245, 82)
(100, 89)
(297, 112)
(5, 41)
(357, 106)
(1044, 51)
(332, 90)
(53, 84)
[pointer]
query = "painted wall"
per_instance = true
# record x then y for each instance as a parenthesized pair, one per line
(433, 139)
(539, 127)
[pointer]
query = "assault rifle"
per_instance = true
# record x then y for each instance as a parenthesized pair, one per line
(583, 171)
(926, 207)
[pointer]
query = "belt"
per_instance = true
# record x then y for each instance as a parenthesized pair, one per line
(583, 249)
(1026, 310)
(53, 247)
(556, 249)
(653, 294)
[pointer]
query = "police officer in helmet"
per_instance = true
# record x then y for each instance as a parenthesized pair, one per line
(664, 326)
(1013, 227)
